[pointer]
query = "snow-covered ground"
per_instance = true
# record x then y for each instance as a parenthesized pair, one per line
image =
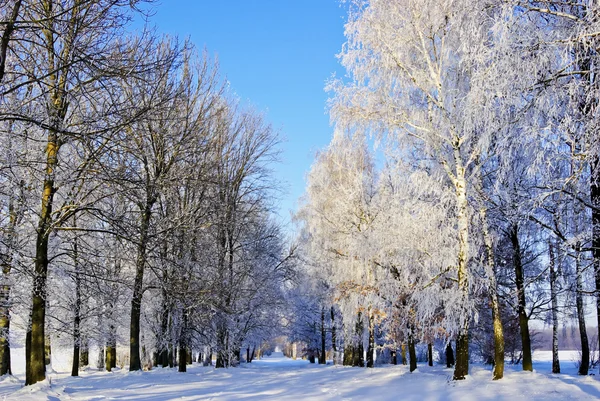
(279, 378)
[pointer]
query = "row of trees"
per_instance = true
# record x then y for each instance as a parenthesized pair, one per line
(135, 192)
(483, 204)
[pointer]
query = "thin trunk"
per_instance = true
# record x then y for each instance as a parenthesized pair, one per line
(554, 298)
(371, 345)
(135, 362)
(430, 354)
(322, 358)
(77, 309)
(333, 335)
(403, 353)
(595, 199)
(183, 344)
(585, 346)
(28, 352)
(111, 347)
(47, 351)
(523, 318)
(358, 358)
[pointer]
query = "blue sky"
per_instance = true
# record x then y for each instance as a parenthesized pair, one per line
(277, 55)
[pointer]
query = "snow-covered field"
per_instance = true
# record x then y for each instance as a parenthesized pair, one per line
(279, 378)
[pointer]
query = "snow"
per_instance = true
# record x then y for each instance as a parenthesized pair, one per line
(280, 378)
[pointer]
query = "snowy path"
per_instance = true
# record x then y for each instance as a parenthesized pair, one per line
(279, 378)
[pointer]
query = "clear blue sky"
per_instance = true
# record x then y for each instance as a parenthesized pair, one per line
(277, 55)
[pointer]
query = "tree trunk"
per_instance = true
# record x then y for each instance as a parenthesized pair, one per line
(595, 199)
(403, 353)
(461, 369)
(208, 357)
(585, 347)
(358, 358)
(101, 357)
(371, 345)
(28, 352)
(430, 354)
(47, 351)
(8, 30)
(498, 371)
(222, 351)
(523, 318)
(412, 354)
(77, 311)
(322, 359)
(182, 358)
(5, 287)
(111, 348)
(393, 359)
(333, 337)
(554, 298)
(135, 362)
(449, 355)
(348, 355)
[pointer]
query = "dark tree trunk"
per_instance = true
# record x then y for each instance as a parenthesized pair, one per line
(554, 298)
(461, 367)
(27, 352)
(8, 30)
(412, 354)
(322, 358)
(333, 336)
(358, 358)
(77, 311)
(449, 355)
(430, 354)
(585, 346)
(393, 359)
(521, 307)
(182, 358)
